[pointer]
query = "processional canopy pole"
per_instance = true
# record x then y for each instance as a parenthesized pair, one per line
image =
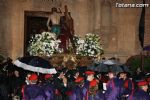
(141, 33)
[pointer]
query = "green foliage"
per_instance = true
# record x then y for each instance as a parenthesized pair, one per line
(147, 64)
(135, 62)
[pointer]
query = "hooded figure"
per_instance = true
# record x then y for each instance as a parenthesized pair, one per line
(93, 92)
(141, 92)
(78, 91)
(148, 80)
(33, 91)
(128, 85)
(48, 87)
(114, 87)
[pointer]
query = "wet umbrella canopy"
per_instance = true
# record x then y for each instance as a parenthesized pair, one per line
(35, 64)
(109, 66)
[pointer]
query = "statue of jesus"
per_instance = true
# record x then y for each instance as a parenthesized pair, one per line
(54, 18)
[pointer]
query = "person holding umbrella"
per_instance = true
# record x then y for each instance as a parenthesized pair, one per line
(61, 85)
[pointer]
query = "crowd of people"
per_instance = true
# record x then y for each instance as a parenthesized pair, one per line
(73, 84)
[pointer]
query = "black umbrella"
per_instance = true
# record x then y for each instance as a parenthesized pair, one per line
(99, 68)
(114, 68)
(109, 62)
(124, 68)
(35, 64)
(118, 68)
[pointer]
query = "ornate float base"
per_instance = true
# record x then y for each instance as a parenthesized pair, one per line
(70, 60)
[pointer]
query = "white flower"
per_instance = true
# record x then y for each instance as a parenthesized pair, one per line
(89, 50)
(52, 43)
(80, 41)
(85, 44)
(89, 46)
(44, 43)
(92, 52)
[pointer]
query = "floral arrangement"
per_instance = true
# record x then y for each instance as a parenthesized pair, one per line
(89, 45)
(45, 44)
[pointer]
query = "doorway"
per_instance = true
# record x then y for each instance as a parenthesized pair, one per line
(35, 23)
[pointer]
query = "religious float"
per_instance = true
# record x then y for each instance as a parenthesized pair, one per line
(46, 45)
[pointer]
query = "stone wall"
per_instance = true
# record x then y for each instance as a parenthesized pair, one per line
(147, 26)
(118, 27)
(4, 29)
